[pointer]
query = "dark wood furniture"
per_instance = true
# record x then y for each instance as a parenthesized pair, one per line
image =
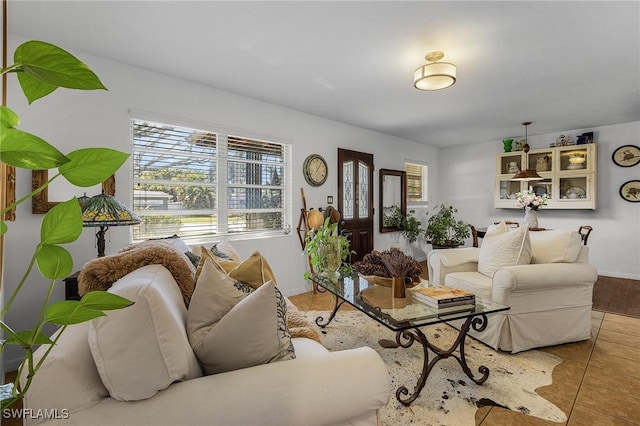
(71, 287)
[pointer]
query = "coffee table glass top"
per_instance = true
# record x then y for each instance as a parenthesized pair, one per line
(396, 313)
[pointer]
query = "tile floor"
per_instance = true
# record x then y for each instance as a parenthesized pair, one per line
(597, 382)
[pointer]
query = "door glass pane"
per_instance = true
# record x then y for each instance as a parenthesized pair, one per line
(363, 190)
(347, 190)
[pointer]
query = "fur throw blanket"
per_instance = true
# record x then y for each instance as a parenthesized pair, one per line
(101, 273)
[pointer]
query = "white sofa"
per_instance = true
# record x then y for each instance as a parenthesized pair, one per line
(550, 294)
(318, 387)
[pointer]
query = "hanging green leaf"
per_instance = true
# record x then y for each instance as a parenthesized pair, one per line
(27, 151)
(91, 166)
(23, 338)
(8, 118)
(54, 262)
(44, 67)
(104, 301)
(67, 312)
(3, 227)
(62, 224)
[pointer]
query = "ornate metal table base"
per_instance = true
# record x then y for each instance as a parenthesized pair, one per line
(320, 321)
(407, 337)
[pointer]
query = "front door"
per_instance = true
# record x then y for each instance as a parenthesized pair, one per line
(355, 200)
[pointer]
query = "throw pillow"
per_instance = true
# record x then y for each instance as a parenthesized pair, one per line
(176, 241)
(225, 250)
(557, 245)
(253, 271)
(215, 294)
(500, 249)
(252, 332)
(142, 349)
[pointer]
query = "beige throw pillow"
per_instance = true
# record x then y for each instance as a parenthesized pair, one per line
(143, 348)
(557, 245)
(231, 327)
(500, 249)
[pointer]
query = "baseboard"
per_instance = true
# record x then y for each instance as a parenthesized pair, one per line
(620, 275)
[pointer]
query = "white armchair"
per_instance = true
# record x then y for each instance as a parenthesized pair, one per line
(549, 287)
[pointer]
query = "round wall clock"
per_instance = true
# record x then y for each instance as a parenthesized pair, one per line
(626, 156)
(315, 170)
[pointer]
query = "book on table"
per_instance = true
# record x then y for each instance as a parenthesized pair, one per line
(444, 297)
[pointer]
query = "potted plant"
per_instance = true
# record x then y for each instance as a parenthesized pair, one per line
(42, 68)
(327, 249)
(444, 230)
(408, 224)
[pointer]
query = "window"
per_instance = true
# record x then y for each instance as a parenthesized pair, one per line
(198, 183)
(417, 183)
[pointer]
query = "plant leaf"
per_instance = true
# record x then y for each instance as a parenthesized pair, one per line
(3, 227)
(45, 67)
(27, 151)
(8, 118)
(54, 262)
(104, 301)
(91, 166)
(67, 312)
(23, 338)
(62, 224)
(33, 88)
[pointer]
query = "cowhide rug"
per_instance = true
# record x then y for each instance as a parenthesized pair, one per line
(449, 396)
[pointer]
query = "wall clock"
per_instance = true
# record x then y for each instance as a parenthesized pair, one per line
(315, 170)
(626, 156)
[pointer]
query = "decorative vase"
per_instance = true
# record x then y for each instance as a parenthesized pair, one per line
(531, 218)
(399, 285)
(507, 144)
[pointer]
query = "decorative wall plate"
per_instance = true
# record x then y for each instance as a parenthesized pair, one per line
(626, 156)
(630, 191)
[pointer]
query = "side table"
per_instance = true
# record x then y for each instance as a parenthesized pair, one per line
(71, 287)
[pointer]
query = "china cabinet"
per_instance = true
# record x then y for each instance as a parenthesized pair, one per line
(568, 172)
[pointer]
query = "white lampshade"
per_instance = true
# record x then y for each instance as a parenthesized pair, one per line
(435, 75)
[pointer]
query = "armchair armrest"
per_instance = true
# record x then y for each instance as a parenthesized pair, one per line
(443, 262)
(542, 276)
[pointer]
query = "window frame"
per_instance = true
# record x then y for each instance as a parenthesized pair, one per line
(221, 161)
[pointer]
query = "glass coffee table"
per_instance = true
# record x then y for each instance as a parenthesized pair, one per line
(405, 317)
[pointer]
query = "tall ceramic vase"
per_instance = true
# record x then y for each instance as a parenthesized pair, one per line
(531, 218)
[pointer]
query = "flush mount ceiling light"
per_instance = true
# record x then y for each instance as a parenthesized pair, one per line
(435, 75)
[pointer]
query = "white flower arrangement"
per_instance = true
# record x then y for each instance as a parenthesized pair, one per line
(530, 201)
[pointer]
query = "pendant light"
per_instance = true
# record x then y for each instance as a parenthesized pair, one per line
(528, 174)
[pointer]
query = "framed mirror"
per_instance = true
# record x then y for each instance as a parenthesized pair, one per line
(40, 203)
(393, 198)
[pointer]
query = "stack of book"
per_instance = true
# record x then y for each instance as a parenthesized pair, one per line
(445, 298)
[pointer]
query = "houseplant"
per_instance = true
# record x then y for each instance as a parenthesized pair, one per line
(41, 68)
(327, 249)
(408, 224)
(444, 230)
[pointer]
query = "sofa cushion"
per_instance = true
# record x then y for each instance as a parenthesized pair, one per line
(216, 293)
(500, 249)
(142, 349)
(231, 327)
(554, 246)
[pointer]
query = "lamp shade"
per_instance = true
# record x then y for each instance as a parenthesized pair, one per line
(435, 75)
(105, 210)
(527, 175)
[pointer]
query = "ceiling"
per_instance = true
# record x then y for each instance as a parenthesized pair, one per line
(563, 65)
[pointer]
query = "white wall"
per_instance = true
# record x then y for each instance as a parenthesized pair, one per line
(75, 119)
(467, 173)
